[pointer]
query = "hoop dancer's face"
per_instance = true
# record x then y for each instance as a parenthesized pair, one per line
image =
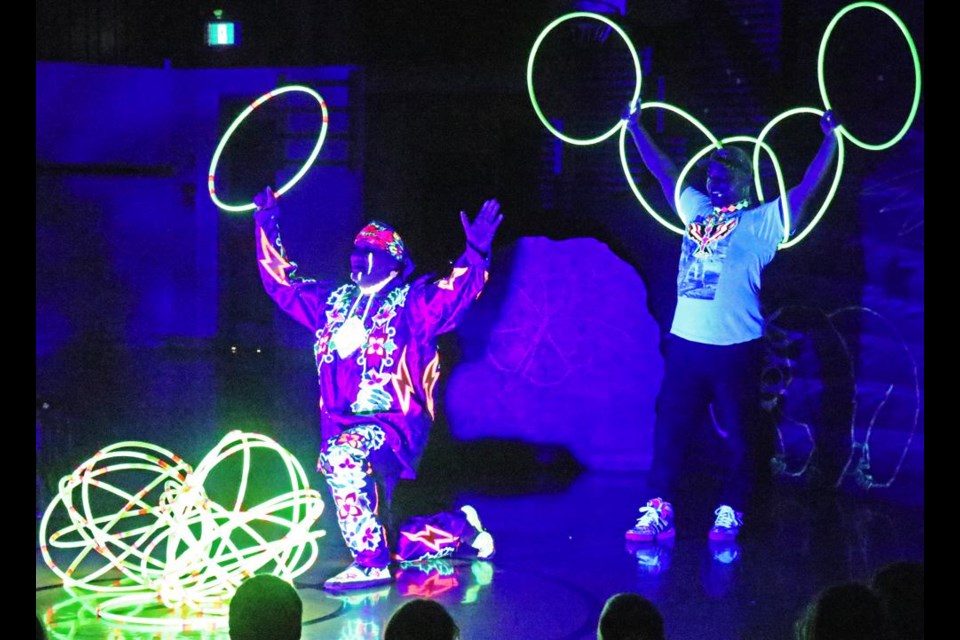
(725, 186)
(369, 265)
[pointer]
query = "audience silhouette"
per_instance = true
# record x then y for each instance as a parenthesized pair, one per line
(899, 585)
(421, 619)
(844, 611)
(630, 616)
(265, 607)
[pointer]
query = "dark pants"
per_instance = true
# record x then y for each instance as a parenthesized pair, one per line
(727, 377)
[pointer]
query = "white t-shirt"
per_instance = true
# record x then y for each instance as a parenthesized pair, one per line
(722, 256)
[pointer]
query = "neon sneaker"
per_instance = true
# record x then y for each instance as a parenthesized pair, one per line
(655, 522)
(483, 542)
(357, 577)
(727, 525)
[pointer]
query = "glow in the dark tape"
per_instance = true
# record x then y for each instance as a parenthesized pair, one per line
(211, 173)
(916, 71)
(860, 447)
(626, 166)
(533, 55)
(781, 365)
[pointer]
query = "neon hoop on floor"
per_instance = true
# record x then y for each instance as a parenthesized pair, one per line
(916, 71)
(626, 168)
(211, 174)
(785, 205)
(533, 55)
(174, 545)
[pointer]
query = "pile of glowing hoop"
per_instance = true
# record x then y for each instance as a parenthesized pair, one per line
(170, 541)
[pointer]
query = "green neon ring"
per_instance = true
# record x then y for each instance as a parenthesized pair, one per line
(533, 54)
(188, 558)
(626, 167)
(785, 204)
(785, 207)
(916, 70)
(716, 144)
(211, 173)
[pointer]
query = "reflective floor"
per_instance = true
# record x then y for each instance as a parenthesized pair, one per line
(560, 555)
(559, 532)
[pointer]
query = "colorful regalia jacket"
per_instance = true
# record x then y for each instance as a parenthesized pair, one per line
(390, 378)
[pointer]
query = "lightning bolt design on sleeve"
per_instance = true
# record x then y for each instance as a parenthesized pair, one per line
(447, 283)
(273, 263)
(430, 376)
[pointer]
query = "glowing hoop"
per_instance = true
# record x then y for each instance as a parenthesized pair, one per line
(236, 123)
(173, 544)
(533, 54)
(916, 71)
(626, 168)
(787, 242)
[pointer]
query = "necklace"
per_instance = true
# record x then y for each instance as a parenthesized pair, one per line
(743, 204)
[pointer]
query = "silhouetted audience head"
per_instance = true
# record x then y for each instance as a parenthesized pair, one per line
(630, 616)
(41, 632)
(421, 619)
(265, 607)
(899, 585)
(845, 611)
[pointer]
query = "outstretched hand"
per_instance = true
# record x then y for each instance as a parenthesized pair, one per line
(265, 199)
(631, 114)
(480, 232)
(828, 122)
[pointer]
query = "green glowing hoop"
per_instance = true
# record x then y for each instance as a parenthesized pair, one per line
(211, 173)
(533, 55)
(626, 168)
(715, 144)
(785, 205)
(916, 70)
(174, 544)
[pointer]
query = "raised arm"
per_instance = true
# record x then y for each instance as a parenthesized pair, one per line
(301, 298)
(658, 162)
(799, 197)
(480, 232)
(440, 303)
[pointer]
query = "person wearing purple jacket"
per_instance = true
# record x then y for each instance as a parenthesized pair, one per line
(377, 366)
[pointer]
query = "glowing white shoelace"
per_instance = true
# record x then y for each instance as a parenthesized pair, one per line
(726, 517)
(650, 517)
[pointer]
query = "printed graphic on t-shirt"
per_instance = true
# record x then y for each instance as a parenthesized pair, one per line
(704, 251)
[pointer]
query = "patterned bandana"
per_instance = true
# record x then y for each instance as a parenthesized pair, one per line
(380, 236)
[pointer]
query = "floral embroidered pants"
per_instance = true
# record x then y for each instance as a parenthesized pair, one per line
(356, 466)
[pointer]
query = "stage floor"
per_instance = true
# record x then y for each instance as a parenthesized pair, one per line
(561, 553)
(559, 532)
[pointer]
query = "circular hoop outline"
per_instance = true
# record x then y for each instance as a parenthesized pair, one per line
(784, 201)
(533, 54)
(916, 71)
(626, 168)
(211, 173)
(714, 145)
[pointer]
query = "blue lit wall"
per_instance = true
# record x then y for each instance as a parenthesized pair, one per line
(129, 244)
(561, 349)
